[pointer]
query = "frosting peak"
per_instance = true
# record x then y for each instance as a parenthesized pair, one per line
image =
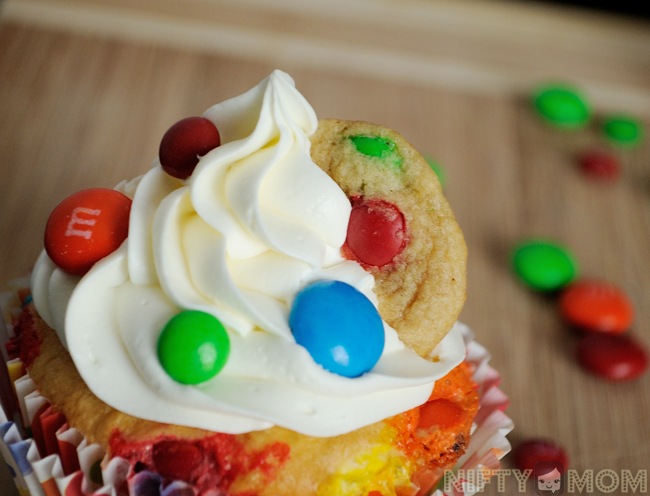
(255, 223)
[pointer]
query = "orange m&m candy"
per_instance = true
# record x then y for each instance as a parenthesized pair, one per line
(597, 306)
(442, 413)
(86, 227)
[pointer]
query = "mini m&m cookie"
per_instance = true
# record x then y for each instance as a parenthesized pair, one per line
(399, 214)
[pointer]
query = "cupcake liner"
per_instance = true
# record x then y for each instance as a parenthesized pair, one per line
(58, 461)
(488, 443)
(47, 470)
(52, 459)
(15, 452)
(10, 307)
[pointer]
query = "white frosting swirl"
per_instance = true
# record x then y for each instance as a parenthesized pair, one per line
(256, 222)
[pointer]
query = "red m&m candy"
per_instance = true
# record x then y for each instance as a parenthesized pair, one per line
(527, 454)
(601, 165)
(614, 357)
(597, 306)
(184, 143)
(86, 227)
(376, 232)
(176, 460)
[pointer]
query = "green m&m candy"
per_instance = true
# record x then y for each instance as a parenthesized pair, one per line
(562, 106)
(379, 148)
(193, 347)
(438, 169)
(95, 473)
(623, 130)
(544, 265)
(373, 146)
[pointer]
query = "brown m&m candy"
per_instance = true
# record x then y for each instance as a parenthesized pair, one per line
(617, 358)
(184, 143)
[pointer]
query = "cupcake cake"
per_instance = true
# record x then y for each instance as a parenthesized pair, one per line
(270, 310)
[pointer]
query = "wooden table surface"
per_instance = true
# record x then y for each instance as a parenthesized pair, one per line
(85, 96)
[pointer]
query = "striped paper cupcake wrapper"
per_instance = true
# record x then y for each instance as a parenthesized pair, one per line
(488, 443)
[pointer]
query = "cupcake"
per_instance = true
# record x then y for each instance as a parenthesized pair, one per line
(270, 310)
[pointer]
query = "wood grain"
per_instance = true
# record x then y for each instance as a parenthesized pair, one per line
(81, 111)
(473, 45)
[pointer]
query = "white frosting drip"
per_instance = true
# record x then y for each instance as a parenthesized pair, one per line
(256, 222)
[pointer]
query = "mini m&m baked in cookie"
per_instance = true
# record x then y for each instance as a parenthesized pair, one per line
(280, 318)
(401, 229)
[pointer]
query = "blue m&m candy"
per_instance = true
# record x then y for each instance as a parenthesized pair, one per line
(193, 347)
(339, 326)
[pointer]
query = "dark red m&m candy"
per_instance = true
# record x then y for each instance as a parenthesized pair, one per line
(86, 227)
(616, 357)
(532, 451)
(376, 231)
(184, 143)
(600, 165)
(176, 460)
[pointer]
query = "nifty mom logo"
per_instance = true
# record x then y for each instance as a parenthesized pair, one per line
(549, 479)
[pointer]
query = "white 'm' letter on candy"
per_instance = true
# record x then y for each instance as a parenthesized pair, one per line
(76, 220)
